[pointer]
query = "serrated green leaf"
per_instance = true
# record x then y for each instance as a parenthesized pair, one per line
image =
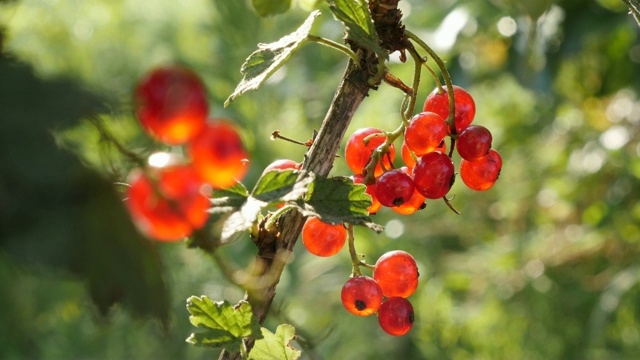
(360, 29)
(338, 200)
(216, 339)
(276, 346)
(270, 7)
(270, 57)
(227, 200)
(226, 325)
(281, 185)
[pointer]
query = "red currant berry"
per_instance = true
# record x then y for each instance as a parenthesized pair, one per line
(358, 154)
(375, 204)
(433, 175)
(361, 295)
(474, 142)
(323, 239)
(282, 164)
(171, 104)
(480, 174)
(397, 274)
(425, 133)
(415, 203)
(169, 206)
(396, 316)
(409, 160)
(218, 154)
(394, 188)
(465, 106)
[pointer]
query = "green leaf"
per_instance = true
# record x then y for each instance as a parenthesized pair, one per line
(276, 346)
(270, 57)
(281, 185)
(227, 200)
(338, 200)
(273, 187)
(360, 29)
(225, 324)
(270, 7)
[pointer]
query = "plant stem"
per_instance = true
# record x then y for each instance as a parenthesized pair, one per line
(336, 46)
(445, 75)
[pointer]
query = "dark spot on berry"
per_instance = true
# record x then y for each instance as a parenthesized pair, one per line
(398, 201)
(360, 305)
(411, 317)
(422, 206)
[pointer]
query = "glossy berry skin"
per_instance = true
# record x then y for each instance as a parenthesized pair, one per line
(361, 295)
(410, 162)
(415, 203)
(394, 188)
(433, 175)
(425, 133)
(465, 106)
(323, 239)
(171, 104)
(397, 274)
(396, 316)
(480, 174)
(474, 142)
(218, 154)
(371, 191)
(357, 153)
(282, 164)
(169, 206)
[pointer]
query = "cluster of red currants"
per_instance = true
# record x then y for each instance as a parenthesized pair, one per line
(429, 172)
(395, 276)
(169, 199)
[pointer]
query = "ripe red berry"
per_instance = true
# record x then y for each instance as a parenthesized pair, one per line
(168, 206)
(480, 174)
(394, 188)
(397, 274)
(371, 191)
(465, 106)
(425, 133)
(410, 162)
(358, 154)
(282, 164)
(433, 175)
(396, 316)
(474, 142)
(415, 203)
(171, 104)
(323, 239)
(361, 295)
(218, 154)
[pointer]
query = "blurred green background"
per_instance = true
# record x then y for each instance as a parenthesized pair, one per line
(545, 265)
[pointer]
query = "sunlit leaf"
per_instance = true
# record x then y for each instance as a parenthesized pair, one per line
(225, 324)
(360, 29)
(276, 346)
(281, 186)
(270, 57)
